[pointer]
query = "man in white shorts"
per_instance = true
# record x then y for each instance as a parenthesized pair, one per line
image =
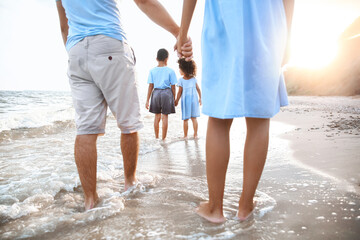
(101, 73)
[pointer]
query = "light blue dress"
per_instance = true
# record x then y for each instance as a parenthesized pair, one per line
(243, 43)
(189, 98)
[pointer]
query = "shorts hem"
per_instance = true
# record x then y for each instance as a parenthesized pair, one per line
(90, 132)
(132, 130)
(162, 113)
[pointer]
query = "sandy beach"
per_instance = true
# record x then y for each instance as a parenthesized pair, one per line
(327, 136)
(309, 188)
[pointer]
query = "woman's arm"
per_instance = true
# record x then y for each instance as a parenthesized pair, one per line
(199, 92)
(150, 89)
(187, 13)
(289, 10)
(178, 96)
(64, 27)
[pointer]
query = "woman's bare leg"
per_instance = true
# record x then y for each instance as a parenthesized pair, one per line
(217, 159)
(255, 151)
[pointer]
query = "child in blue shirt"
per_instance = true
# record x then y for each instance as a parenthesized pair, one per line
(161, 80)
(188, 91)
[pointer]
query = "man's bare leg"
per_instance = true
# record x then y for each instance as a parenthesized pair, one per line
(217, 159)
(164, 125)
(86, 160)
(130, 151)
(195, 126)
(255, 151)
(186, 127)
(156, 124)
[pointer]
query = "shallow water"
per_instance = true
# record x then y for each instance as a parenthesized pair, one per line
(40, 195)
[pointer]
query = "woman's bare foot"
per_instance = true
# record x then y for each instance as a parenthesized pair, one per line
(214, 216)
(91, 202)
(245, 213)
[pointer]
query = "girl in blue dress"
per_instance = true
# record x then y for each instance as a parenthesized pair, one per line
(244, 46)
(188, 92)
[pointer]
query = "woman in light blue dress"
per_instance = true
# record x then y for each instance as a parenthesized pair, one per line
(188, 92)
(244, 46)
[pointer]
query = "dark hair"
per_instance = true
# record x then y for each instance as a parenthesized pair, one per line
(162, 54)
(188, 67)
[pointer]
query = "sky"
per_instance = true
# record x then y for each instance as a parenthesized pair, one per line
(33, 57)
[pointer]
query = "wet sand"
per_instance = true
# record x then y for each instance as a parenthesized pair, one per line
(327, 136)
(296, 198)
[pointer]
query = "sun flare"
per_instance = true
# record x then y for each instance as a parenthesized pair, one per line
(313, 52)
(315, 32)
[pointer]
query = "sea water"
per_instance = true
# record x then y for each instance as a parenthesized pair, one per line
(41, 195)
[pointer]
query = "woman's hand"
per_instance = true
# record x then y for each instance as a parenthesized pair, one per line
(147, 105)
(200, 101)
(183, 47)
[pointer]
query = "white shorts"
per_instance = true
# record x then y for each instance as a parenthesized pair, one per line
(101, 73)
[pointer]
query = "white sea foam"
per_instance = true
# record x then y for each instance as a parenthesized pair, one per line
(33, 109)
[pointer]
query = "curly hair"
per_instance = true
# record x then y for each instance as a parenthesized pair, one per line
(187, 67)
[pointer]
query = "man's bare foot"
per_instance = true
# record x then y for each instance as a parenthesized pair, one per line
(195, 136)
(245, 213)
(91, 202)
(129, 183)
(214, 216)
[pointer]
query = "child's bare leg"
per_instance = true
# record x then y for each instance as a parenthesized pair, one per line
(156, 124)
(195, 126)
(186, 127)
(164, 125)
(217, 158)
(255, 151)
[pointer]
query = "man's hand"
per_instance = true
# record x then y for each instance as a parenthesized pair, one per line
(183, 47)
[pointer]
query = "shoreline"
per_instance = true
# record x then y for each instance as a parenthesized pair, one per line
(326, 137)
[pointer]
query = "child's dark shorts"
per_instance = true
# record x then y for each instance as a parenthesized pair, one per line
(162, 101)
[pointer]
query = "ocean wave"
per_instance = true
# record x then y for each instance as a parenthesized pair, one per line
(34, 118)
(32, 132)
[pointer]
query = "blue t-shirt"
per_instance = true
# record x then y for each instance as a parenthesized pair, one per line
(162, 77)
(92, 17)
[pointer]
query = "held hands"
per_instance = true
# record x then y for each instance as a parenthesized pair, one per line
(183, 47)
(176, 103)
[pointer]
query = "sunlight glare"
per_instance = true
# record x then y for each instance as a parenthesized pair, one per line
(315, 33)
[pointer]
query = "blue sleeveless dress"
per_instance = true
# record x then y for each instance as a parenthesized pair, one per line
(243, 43)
